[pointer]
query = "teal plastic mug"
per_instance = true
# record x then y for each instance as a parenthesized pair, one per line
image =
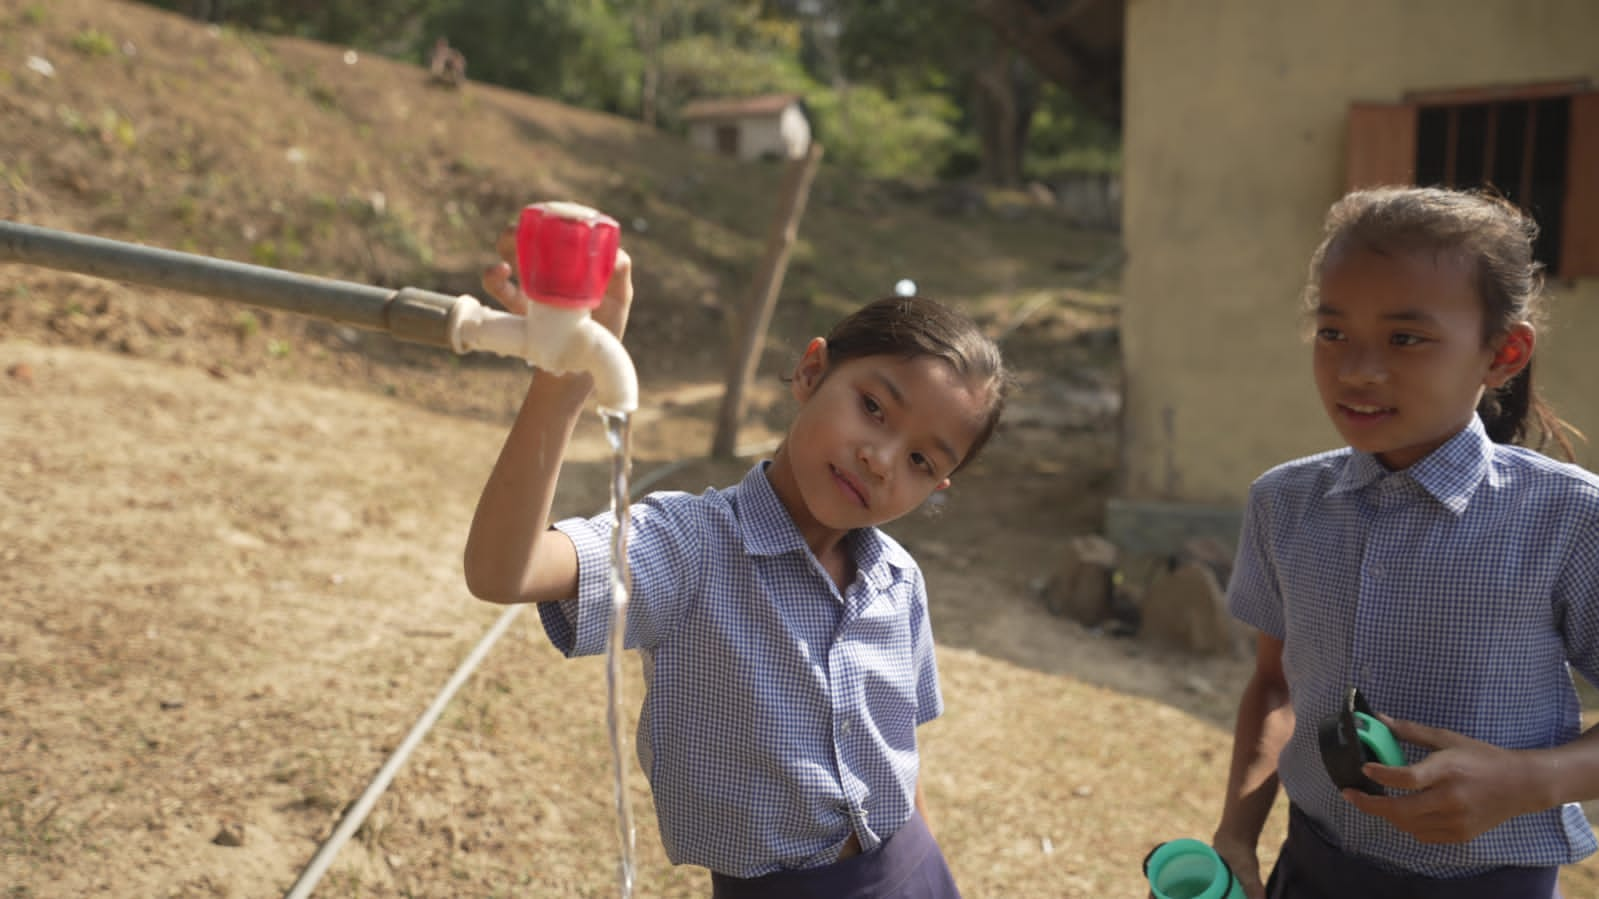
(1190, 869)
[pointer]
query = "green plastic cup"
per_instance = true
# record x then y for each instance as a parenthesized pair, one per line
(1190, 869)
(1379, 740)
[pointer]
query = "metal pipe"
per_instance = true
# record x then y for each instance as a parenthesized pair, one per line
(413, 315)
(552, 338)
(356, 815)
(410, 314)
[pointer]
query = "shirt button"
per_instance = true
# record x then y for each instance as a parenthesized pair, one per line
(844, 728)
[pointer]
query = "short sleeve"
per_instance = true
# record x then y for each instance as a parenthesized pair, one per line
(929, 698)
(1577, 604)
(1254, 595)
(665, 544)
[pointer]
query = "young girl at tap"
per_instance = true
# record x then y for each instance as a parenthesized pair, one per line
(1448, 574)
(785, 640)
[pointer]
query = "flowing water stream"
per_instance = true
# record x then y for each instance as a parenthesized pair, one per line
(618, 432)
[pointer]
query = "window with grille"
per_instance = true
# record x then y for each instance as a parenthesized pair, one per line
(1536, 144)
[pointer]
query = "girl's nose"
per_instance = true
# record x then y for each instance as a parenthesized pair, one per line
(1362, 366)
(874, 458)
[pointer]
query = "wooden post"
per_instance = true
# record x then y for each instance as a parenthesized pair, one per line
(746, 354)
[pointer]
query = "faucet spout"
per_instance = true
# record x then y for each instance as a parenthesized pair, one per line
(596, 350)
(555, 339)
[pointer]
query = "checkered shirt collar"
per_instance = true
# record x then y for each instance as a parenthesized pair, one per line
(1450, 474)
(768, 530)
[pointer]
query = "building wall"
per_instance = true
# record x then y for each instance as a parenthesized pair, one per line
(1234, 149)
(786, 136)
(703, 135)
(794, 133)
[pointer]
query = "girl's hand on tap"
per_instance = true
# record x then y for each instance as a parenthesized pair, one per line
(612, 311)
(497, 277)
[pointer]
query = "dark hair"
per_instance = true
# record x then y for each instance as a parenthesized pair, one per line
(914, 326)
(1498, 238)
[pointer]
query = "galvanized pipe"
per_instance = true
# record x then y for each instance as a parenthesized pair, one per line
(413, 315)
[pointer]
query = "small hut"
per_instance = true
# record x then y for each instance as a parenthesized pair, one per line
(771, 126)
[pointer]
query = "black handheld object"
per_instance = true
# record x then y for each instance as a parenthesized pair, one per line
(1351, 738)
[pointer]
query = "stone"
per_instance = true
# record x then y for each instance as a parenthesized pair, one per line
(1212, 552)
(1186, 609)
(231, 834)
(1080, 588)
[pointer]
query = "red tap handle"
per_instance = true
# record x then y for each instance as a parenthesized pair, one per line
(565, 254)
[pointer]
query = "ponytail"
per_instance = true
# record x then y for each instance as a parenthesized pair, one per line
(1512, 413)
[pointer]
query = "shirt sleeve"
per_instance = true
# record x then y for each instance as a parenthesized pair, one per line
(664, 552)
(929, 698)
(1254, 595)
(1577, 604)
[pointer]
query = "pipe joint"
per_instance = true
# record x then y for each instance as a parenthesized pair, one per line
(554, 339)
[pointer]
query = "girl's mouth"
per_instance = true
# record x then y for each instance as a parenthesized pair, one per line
(1363, 413)
(848, 485)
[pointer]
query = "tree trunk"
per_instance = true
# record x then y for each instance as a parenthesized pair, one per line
(997, 116)
(1094, 79)
(647, 28)
(745, 357)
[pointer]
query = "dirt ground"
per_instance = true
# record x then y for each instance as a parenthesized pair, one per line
(230, 539)
(231, 595)
(235, 592)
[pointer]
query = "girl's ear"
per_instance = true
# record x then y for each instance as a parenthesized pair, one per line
(942, 485)
(1512, 354)
(812, 366)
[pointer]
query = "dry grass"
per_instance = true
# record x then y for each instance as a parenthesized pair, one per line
(232, 596)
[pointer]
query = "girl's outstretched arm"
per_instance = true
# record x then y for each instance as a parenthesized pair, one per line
(1467, 787)
(511, 553)
(1265, 724)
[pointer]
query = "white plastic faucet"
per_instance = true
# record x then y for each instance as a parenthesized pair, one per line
(565, 254)
(556, 340)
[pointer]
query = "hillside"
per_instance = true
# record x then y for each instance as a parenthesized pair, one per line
(287, 153)
(230, 539)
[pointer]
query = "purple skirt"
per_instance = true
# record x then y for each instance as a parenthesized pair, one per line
(908, 865)
(1312, 868)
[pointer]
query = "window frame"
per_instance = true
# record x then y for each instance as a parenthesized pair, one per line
(1382, 142)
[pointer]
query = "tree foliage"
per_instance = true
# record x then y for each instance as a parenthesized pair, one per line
(580, 52)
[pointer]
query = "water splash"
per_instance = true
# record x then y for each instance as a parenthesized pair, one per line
(619, 433)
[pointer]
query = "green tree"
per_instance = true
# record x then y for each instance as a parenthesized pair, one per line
(914, 50)
(580, 52)
(660, 28)
(867, 131)
(1066, 137)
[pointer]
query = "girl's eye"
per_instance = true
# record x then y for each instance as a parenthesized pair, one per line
(870, 404)
(921, 461)
(1329, 334)
(1405, 340)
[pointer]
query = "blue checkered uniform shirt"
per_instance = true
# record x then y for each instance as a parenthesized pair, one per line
(1459, 593)
(779, 715)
